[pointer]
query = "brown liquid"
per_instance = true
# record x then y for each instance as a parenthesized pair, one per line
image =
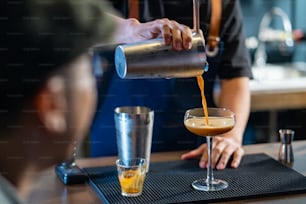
(200, 81)
(131, 181)
(217, 125)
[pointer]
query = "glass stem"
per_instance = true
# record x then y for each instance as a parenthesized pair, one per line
(210, 175)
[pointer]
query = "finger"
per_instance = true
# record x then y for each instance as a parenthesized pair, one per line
(177, 39)
(160, 28)
(237, 156)
(166, 32)
(193, 153)
(217, 150)
(226, 154)
(147, 30)
(204, 159)
(187, 37)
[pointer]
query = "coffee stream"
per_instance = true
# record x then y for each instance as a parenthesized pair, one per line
(200, 81)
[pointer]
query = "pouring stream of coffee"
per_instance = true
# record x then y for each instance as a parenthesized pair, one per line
(200, 80)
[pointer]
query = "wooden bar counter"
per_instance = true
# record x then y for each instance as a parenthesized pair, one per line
(49, 189)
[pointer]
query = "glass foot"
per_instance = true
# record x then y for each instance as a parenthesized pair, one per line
(215, 185)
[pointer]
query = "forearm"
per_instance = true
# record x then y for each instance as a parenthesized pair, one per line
(235, 95)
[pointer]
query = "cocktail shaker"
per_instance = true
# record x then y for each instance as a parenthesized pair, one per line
(134, 129)
(154, 59)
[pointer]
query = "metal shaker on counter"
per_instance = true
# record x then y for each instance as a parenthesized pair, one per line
(134, 129)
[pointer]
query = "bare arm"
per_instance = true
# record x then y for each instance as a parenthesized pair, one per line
(235, 95)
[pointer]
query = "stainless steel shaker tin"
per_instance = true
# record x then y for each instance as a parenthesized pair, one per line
(134, 129)
(153, 59)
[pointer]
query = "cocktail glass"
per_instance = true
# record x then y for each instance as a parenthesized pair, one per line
(220, 120)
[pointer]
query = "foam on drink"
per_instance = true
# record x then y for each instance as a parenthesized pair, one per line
(216, 126)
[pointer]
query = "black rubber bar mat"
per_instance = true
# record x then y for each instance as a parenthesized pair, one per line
(258, 176)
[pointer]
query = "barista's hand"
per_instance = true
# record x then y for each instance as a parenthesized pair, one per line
(223, 149)
(131, 30)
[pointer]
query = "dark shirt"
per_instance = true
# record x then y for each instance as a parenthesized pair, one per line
(170, 98)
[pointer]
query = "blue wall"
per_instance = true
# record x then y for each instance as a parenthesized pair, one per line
(253, 11)
(300, 22)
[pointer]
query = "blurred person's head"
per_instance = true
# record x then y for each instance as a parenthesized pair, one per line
(47, 85)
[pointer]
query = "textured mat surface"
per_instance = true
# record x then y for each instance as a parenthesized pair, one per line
(170, 182)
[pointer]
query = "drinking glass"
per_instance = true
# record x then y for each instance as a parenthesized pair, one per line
(220, 120)
(131, 175)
